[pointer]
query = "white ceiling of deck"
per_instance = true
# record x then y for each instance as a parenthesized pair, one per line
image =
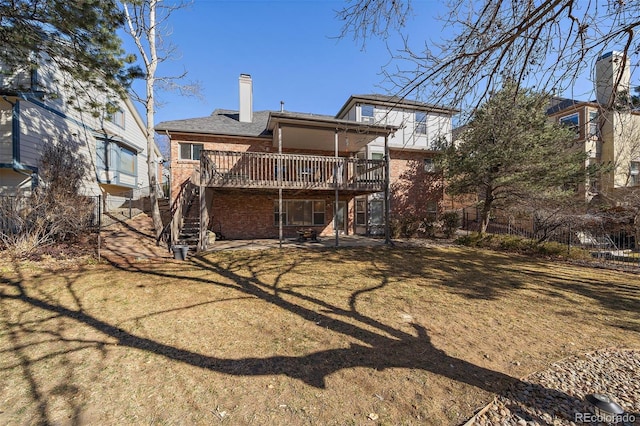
(318, 133)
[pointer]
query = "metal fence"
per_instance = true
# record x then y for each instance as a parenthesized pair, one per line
(129, 203)
(611, 247)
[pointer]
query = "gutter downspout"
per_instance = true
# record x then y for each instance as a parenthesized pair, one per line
(15, 131)
(387, 193)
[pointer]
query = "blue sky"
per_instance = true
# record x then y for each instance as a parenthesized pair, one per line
(288, 47)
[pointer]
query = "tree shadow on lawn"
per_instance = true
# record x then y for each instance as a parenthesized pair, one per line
(382, 346)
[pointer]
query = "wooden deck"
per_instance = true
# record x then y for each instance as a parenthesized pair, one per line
(256, 170)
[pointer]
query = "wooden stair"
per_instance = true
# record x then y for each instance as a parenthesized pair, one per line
(190, 232)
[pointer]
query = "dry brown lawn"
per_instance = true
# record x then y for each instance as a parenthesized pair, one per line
(350, 336)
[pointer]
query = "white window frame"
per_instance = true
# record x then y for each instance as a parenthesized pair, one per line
(191, 155)
(132, 155)
(367, 118)
(420, 122)
(432, 210)
(429, 165)
(117, 118)
(574, 126)
(594, 123)
(361, 212)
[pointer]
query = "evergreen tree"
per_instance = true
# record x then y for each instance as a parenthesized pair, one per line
(80, 36)
(511, 152)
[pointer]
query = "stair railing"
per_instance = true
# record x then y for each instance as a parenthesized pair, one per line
(171, 232)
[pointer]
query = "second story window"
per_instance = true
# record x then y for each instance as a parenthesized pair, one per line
(190, 151)
(421, 123)
(116, 117)
(593, 124)
(572, 122)
(367, 114)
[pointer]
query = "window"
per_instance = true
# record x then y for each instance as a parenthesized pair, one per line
(190, 151)
(367, 114)
(429, 165)
(116, 117)
(361, 211)
(127, 161)
(634, 171)
(593, 124)
(376, 214)
(300, 213)
(432, 210)
(421, 123)
(571, 122)
(116, 163)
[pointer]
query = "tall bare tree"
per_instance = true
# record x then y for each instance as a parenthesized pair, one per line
(146, 23)
(541, 44)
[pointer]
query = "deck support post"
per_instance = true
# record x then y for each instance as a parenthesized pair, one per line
(204, 218)
(279, 176)
(387, 193)
(335, 181)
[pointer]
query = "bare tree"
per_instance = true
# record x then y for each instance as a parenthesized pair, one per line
(146, 23)
(543, 45)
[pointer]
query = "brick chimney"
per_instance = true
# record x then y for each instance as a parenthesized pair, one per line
(246, 99)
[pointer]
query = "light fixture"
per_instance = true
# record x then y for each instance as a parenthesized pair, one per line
(605, 407)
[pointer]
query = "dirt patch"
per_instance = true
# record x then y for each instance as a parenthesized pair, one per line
(404, 335)
(132, 241)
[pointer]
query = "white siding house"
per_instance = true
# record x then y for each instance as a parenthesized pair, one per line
(40, 108)
(422, 128)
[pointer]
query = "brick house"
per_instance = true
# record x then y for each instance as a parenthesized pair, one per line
(607, 131)
(338, 175)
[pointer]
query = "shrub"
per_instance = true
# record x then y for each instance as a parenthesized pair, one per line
(450, 223)
(516, 244)
(54, 212)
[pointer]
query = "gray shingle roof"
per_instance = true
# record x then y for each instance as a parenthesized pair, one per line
(394, 102)
(220, 122)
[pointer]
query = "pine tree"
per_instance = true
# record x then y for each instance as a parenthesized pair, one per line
(511, 152)
(79, 36)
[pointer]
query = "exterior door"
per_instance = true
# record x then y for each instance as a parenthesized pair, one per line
(341, 218)
(376, 217)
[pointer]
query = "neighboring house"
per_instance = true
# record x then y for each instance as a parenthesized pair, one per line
(40, 106)
(327, 173)
(607, 130)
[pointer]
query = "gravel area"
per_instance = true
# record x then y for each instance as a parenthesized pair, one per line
(556, 396)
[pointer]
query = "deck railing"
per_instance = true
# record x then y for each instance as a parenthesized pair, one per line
(290, 171)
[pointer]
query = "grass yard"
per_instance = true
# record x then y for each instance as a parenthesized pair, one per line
(319, 337)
